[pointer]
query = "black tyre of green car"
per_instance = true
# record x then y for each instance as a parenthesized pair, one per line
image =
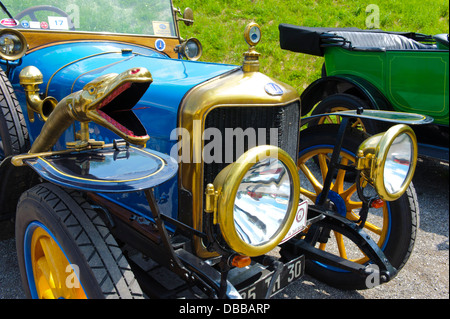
(82, 237)
(399, 218)
(343, 102)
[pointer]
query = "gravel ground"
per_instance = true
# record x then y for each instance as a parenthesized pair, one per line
(425, 276)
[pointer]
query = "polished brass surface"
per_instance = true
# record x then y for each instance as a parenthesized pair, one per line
(9, 36)
(371, 159)
(251, 57)
(83, 106)
(210, 199)
(188, 17)
(247, 35)
(38, 39)
(30, 78)
(251, 60)
(183, 49)
(227, 184)
(234, 89)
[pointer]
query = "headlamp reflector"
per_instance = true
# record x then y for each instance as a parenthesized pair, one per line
(258, 200)
(261, 206)
(388, 161)
(398, 163)
(13, 45)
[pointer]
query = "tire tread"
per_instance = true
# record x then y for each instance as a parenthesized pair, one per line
(99, 248)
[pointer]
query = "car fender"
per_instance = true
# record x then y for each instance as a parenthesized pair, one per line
(348, 84)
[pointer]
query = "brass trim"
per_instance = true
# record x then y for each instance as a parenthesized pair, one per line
(38, 39)
(76, 61)
(113, 181)
(227, 184)
(23, 42)
(247, 30)
(96, 69)
(30, 78)
(371, 158)
(234, 89)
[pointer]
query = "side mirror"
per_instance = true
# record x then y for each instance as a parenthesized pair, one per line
(188, 16)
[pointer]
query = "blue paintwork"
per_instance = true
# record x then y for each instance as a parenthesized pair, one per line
(157, 110)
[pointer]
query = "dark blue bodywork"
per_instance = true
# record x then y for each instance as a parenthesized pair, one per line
(66, 68)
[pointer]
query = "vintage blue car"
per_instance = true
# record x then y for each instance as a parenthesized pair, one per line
(133, 170)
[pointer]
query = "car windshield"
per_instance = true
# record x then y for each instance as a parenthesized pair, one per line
(144, 17)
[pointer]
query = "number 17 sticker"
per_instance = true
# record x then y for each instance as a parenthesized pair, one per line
(58, 23)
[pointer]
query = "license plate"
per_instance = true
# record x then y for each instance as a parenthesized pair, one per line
(291, 271)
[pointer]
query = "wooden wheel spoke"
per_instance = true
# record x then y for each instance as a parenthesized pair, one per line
(340, 245)
(310, 195)
(311, 178)
(338, 186)
(347, 194)
(323, 164)
(57, 263)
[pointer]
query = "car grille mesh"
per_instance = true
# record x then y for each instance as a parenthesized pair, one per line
(283, 118)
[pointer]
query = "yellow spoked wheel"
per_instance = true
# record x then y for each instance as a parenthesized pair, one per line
(343, 199)
(66, 251)
(342, 102)
(334, 119)
(54, 276)
(392, 226)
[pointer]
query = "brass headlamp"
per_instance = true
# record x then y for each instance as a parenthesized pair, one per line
(388, 160)
(255, 200)
(13, 45)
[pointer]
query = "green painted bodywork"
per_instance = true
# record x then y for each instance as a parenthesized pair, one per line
(415, 81)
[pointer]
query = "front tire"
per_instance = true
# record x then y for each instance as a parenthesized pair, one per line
(393, 227)
(65, 251)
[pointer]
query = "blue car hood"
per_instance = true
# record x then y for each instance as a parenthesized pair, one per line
(68, 67)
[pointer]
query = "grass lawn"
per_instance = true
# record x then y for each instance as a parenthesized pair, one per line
(219, 25)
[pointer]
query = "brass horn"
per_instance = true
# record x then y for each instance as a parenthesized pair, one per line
(30, 78)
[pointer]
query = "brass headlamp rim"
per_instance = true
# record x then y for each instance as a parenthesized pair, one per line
(227, 183)
(182, 49)
(372, 156)
(23, 41)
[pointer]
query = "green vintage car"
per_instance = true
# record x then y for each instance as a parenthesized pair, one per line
(374, 69)
(132, 170)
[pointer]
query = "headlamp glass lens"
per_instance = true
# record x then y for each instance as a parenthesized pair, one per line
(261, 205)
(10, 44)
(191, 49)
(398, 163)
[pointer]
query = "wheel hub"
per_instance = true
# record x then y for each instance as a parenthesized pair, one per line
(337, 203)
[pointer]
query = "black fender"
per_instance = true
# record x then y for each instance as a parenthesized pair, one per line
(13, 182)
(349, 84)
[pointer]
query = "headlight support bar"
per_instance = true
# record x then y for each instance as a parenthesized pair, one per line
(352, 231)
(334, 162)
